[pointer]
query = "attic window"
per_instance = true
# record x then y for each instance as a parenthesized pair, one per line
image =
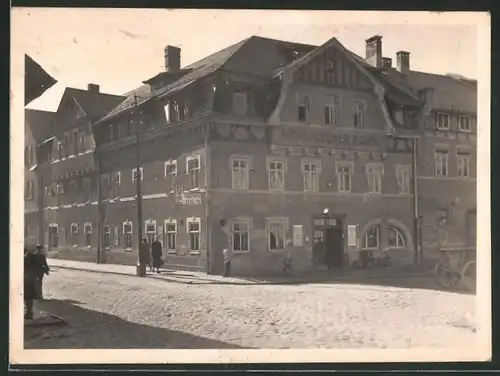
(240, 104)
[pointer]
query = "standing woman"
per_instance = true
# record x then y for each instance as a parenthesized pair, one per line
(32, 288)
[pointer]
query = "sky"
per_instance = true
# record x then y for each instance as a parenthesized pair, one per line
(120, 48)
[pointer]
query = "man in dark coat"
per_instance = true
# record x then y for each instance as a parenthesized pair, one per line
(156, 254)
(144, 253)
(32, 288)
(44, 267)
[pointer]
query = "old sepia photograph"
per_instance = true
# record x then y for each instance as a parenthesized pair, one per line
(216, 183)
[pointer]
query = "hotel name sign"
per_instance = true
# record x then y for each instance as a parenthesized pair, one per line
(328, 137)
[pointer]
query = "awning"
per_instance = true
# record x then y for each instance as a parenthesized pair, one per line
(36, 80)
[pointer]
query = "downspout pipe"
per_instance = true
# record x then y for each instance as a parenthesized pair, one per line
(208, 222)
(416, 216)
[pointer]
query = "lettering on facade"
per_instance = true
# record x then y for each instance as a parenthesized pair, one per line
(329, 137)
(186, 198)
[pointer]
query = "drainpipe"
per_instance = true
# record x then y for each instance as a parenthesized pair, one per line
(416, 217)
(99, 212)
(208, 174)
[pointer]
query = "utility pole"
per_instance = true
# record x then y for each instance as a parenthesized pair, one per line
(141, 269)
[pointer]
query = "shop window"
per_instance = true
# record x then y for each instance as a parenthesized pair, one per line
(372, 237)
(396, 238)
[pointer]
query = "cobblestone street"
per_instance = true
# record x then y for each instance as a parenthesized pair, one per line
(113, 311)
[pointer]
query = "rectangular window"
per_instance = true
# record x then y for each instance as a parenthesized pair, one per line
(54, 235)
(276, 175)
(81, 145)
(75, 141)
(464, 123)
(441, 161)
(88, 234)
(332, 111)
(374, 172)
(310, 171)
(193, 172)
(29, 189)
(403, 179)
(170, 174)
(67, 143)
(359, 114)
(127, 233)
(240, 104)
(463, 164)
(302, 108)
(194, 236)
(134, 174)
(60, 150)
(105, 184)
(344, 177)
(168, 117)
(241, 236)
(86, 188)
(117, 236)
(115, 183)
(170, 235)
(443, 121)
(106, 237)
(240, 173)
(60, 189)
(276, 234)
(74, 234)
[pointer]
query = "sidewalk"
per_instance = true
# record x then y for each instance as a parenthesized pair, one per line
(193, 277)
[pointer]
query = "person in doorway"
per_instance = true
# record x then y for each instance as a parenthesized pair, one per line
(44, 267)
(32, 290)
(156, 254)
(227, 262)
(287, 263)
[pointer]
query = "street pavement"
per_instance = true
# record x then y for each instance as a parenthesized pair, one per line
(105, 310)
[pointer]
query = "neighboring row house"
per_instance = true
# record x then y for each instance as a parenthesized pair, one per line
(70, 187)
(274, 148)
(36, 132)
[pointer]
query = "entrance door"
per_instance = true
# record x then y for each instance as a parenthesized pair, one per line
(334, 247)
(53, 237)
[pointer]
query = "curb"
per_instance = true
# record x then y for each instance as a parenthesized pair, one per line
(247, 283)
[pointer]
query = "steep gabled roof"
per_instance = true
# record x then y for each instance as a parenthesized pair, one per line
(39, 122)
(449, 91)
(94, 104)
(256, 56)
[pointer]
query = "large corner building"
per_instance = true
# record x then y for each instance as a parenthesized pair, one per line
(272, 149)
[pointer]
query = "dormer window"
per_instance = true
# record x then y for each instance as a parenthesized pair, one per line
(302, 107)
(240, 104)
(443, 121)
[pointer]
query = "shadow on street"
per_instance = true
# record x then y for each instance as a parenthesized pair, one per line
(88, 329)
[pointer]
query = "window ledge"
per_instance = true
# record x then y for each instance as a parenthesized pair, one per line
(195, 253)
(128, 249)
(240, 252)
(171, 251)
(277, 250)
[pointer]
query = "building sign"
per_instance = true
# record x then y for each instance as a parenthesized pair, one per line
(298, 236)
(352, 235)
(179, 194)
(328, 137)
(191, 199)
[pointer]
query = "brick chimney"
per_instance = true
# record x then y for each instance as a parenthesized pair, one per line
(374, 51)
(93, 88)
(403, 58)
(386, 62)
(172, 59)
